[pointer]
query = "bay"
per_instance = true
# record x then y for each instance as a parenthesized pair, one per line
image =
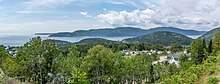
(8, 40)
(19, 40)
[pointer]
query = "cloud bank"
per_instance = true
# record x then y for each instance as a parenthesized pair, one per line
(177, 13)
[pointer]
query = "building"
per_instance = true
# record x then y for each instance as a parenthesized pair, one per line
(128, 52)
(174, 58)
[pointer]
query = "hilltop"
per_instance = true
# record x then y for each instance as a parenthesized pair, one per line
(164, 38)
(94, 41)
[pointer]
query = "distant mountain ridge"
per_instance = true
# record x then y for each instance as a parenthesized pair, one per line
(124, 32)
(44, 33)
(162, 37)
(176, 30)
(209, 35)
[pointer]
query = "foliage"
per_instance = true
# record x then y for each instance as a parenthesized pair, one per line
(209, 35)
(213, 80)
(216, 42)
(194, 72)
(34, 61)
(197, 51)
(99, 63)
(43, 61)
(93, 41)
(176, 47)
(78, 77)
(124, 32)
(210, 48)
(163, 38)
(3, 55)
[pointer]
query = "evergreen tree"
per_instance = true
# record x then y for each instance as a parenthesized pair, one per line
(209, 49)
(216, 42)
(197, 51)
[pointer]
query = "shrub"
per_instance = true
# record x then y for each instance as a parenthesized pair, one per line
(213, 80)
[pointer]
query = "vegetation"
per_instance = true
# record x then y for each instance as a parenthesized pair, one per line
(43, 62)
(209, 35)
(93, 41)
(213, 80)
(176, 47)
(163, 38)
(201, 64)
(124, 32)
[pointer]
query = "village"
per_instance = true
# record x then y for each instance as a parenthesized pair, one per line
(163, 56)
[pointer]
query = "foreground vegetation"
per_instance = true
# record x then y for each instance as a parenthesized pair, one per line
(43, 62)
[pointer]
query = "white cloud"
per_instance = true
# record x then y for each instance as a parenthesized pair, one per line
(177, 13)
(25, 12)
(48, 3)
(115, 2)
(85, 14)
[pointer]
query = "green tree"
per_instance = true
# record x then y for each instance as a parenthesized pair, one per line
(99, 64)
(172, 68)
(184, 62)
(66, 64)
(209, 49)
(176, 47)
(216, 42)
(35, 60)
(197, 51)
(78, 77)
(3, 55)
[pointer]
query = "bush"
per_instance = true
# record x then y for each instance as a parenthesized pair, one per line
(213, 80)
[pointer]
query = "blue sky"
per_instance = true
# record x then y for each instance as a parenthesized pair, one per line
(29, 16)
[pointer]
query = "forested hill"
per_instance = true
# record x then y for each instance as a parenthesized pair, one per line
(120, 31)
(176, 30)
(124, 32)
(210, 34)
(91, 41)
(164, 38)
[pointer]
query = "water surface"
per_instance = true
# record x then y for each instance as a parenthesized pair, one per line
(20, 40)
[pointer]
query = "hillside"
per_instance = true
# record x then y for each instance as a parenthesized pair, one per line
(176, 30)
(59, 42)
(124, 32)
(94, 41)
(210, 34)
(43, 33)
(164, 38)
(116, 32)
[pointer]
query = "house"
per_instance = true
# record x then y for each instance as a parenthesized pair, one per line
(159, 52)
(128, 52)
(161, 60)
(174, 58)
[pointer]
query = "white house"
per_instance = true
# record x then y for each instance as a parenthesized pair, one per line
(174, 58)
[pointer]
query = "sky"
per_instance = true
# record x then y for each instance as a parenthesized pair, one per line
(30, 16)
